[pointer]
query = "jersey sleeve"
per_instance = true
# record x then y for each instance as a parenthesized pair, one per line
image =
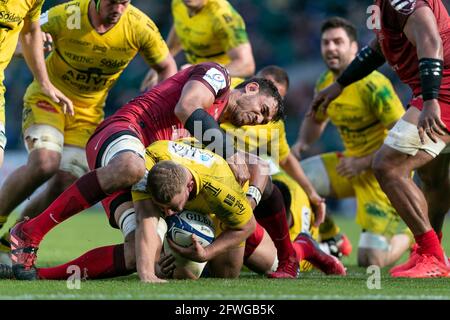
(398, 11)
(215, 77)
(382, 99)
(35, 11)
(50, 20)
(228, 202)
(229, 27)
(152, 46)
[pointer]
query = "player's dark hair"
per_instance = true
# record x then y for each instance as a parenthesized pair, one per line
(165, 180)
(279, 74)
(267, 88)
(338, 22)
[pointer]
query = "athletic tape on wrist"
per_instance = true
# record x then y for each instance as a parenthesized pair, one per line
(254, 193)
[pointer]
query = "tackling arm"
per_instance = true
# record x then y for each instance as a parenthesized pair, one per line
(31, 38)
(148, 243)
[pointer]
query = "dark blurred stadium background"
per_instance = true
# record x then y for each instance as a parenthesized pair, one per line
(282, 32)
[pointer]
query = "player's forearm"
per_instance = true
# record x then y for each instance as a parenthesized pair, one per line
(309, 132)
(230, 238)
(31, 39)
(295, 171)
(367, 61)
(146, 240)
(166, 68)
(242, 64)
(173, 42)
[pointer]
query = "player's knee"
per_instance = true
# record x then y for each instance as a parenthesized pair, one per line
(44, 163)
(381, 167)
(372, 249)
(369, 257)
(45, 137)
(74, 162)
(128, 170)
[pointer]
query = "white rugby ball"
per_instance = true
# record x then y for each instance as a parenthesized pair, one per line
(182, 225)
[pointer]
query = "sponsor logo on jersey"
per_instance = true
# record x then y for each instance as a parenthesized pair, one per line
(7, 16)
(188, 152)
(78, 58)
(44, 105)
(79, 42)
(216, 79)
(113, 63)
(99, 48)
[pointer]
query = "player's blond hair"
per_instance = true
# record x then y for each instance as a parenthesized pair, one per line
(165, 180)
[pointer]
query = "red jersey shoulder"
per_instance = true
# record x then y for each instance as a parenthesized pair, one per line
(404, 7)
(396, 12)
(213, 75)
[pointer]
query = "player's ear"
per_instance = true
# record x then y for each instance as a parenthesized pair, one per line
(354, 47)
(252, 87)
(191, 185)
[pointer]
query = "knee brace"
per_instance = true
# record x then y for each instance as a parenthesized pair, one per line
(43, 137)
(74, 161)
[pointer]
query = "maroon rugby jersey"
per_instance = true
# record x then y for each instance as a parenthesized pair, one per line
(399, 51)
(152, 113)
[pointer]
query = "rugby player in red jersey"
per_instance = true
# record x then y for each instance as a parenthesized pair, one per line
(414, 38)
(193, 100)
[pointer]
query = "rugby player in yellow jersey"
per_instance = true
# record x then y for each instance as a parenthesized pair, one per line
(20, 19)
(363, 114)
(211, 30)
(94, 40)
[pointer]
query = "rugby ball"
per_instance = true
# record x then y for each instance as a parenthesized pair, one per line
(181, 226)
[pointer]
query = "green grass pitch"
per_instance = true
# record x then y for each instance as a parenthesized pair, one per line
(90, 229)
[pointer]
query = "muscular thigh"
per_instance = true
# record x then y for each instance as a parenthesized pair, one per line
(436, 171)
(227, 264)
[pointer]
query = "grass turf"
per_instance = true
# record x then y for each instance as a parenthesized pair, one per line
(90, 230)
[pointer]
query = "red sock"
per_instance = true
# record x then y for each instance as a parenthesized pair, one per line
(82, 194)
(253, 241)
(303, 250)
(271, 214)
(429, 244)
(103, 262)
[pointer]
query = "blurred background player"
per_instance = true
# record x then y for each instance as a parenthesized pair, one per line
(211, 30)
(20, 19)
(89, 55)
(363, 114)
(413, 39)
